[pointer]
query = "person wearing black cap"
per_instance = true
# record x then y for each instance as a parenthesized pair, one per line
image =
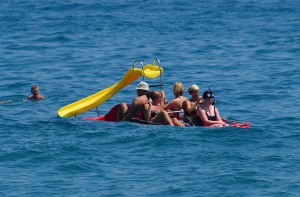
(208, 114)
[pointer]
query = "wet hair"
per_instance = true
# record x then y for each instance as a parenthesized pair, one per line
(192, 88)
(34, 87)
(178, 89)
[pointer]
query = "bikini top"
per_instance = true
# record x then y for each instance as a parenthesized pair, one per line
(198, 122)
(214, 117)
(154, 113)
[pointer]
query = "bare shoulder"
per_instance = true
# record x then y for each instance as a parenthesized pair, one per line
(187, 101)
(135, 101)
(140, 100)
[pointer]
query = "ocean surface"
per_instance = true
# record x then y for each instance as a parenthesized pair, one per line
(247, 52)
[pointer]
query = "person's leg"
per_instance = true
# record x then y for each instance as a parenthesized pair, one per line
(216, 125)
(123, 109)
(176, 122)
(163, 118)
(134, 112)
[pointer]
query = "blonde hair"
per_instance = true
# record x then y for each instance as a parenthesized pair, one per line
(192, 88)
(178, 89)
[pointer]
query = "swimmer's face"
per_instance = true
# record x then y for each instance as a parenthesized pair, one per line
(35, 91)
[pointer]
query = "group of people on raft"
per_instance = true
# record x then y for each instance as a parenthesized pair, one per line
(151, 107)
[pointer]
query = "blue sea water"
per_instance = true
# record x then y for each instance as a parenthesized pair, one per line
(248, 52)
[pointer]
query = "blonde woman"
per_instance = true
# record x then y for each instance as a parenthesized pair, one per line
(176, 103)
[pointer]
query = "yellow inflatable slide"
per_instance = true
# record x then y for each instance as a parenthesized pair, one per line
(90, 102)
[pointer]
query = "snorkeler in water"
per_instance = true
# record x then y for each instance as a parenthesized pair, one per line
(35, 93)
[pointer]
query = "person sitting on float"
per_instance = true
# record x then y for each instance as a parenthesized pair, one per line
(154, 111)
(176, 103)
(190, 106)
(137, 106)
(208, 114)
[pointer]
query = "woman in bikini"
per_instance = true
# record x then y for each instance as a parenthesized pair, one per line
(208, 114)
(155, 113)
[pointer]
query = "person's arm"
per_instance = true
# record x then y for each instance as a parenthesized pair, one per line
(201, 113)
(190, 107)
(169, 106)
(193, 106)
(147, 110)
(163, 98)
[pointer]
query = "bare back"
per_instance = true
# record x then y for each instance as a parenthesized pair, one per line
(136, 107)
(175, 104)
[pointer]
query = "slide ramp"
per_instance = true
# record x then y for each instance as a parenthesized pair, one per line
(90, 102)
